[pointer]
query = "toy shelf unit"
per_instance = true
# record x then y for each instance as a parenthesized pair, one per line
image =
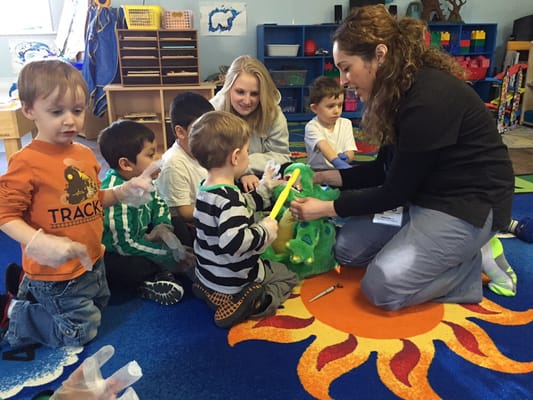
(473, 45)
(295, 55)
(158, 57)
(150, 105)
(526, 116)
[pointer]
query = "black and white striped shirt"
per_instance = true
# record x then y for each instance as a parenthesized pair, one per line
(228, 241)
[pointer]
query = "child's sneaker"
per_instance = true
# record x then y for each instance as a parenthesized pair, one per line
(164, 289)
(213, 298)
(5, 301)
(240, 307)
(13, 277)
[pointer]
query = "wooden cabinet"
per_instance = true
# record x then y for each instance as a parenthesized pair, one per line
(158, 57)
(293, 73)
(149, 105)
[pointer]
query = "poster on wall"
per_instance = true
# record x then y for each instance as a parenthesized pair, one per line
(22, 51)
(223, 19)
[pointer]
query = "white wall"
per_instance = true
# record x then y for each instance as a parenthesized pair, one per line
(215, 51)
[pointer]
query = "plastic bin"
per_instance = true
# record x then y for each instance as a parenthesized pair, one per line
(282, 50)
(288, 104)
(181, 19)
(143, 17)
(289, 77)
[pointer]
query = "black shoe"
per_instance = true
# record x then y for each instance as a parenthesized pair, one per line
(5, 301)
(166, 292)
(13, 277)
(240, 307)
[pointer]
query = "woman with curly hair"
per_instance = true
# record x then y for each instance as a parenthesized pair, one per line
(422, 214)
(250, 93)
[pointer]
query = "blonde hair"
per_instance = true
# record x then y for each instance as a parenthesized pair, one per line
(39, 79)
(215, 135)
(360, 33)
(262, 118)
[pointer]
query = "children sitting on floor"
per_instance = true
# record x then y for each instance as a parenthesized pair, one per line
(142, 252)
(329, 139)
(230, 276)
(181, 174)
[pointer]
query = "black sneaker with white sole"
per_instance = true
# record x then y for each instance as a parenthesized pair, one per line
(164, 292)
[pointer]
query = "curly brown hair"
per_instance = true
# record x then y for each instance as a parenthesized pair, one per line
(360, 33)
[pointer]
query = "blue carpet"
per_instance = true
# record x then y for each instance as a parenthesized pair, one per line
(472, 354)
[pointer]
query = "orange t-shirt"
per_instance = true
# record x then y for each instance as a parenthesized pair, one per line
(55, 188)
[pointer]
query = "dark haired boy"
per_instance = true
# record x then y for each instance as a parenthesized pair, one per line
(181, 174)
(142, 253)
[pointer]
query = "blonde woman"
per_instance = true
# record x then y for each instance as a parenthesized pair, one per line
(250, 93)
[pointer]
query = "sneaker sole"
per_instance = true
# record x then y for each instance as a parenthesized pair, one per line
(232, 312)
(162, 292)
(212, 298)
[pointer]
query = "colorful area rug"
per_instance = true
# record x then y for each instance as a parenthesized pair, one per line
(338, 347)
(523, 184)
(401, 346)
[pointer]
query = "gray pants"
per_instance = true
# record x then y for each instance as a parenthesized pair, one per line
(278, 283)
(432, 256)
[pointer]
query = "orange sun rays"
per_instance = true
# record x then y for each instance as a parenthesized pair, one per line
(403, 340)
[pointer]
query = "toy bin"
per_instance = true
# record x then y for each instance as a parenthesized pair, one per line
(143, 17)
(182, 19)
(282, 50)
(288, 104)
(289, 77)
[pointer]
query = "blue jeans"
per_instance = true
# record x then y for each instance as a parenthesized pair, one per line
(64, 313)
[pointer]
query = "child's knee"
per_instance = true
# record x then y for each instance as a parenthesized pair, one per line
(79, 333)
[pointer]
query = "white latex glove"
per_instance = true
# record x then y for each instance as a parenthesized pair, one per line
(86, 382)
(270, 178)
(271, 225)
(165, 234)
(54, 250)
(137, 191)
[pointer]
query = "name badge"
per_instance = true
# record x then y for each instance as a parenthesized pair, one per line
(391, 217)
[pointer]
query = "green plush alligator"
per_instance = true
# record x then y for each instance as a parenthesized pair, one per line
(305, 247)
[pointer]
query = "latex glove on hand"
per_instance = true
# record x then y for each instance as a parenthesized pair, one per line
(343, 157)
(86, 382)
(165, 233)
(271, 225)
(187, 263)
(270, 178)
(138, 190)
(54, 250)
(340, 164)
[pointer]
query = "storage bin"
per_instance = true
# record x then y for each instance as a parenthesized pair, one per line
(143, 17)
(181, 19)
(289, 77)
(475, 74)
(282, 50)
(288, 104)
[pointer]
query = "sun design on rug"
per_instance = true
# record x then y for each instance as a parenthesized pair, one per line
(403, 340)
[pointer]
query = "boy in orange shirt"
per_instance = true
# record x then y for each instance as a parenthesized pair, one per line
(51, 203)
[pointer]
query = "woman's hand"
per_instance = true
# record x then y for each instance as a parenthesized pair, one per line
(330, 177)
(309, 208)
(249, 182)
